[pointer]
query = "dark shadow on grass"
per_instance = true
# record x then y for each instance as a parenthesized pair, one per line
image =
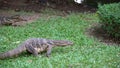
(98, 32)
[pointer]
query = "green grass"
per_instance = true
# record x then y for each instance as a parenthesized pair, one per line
(87, 52)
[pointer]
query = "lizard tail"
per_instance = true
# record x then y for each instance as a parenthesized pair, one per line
(13, 52)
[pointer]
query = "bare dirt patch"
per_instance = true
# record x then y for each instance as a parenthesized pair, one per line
(19, 5)
(28, 17)
(98, 32)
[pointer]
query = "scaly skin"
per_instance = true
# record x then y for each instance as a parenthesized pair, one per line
(35, 46)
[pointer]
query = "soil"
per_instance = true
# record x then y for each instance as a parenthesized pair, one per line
(19, 5)
(29, 18)
(97, 31)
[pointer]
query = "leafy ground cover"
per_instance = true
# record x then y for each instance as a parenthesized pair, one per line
(87, 52)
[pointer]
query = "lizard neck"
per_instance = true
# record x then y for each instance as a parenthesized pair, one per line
(61, 42)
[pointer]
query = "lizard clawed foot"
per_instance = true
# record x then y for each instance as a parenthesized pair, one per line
(47, 55)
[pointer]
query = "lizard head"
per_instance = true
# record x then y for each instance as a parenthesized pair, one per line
(62, 42)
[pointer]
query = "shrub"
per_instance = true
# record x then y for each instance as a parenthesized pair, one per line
(96, 2)
(109, 15)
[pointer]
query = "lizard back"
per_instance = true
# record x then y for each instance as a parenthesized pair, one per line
(37, 43)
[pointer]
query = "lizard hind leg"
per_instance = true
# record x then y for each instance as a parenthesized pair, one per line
(32, 50)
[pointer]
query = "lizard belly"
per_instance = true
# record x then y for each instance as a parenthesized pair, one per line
(39, 49)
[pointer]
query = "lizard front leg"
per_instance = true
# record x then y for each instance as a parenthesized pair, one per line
(49, 51)
(32, 50)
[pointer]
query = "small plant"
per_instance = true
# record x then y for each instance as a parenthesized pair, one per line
(109, 15)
